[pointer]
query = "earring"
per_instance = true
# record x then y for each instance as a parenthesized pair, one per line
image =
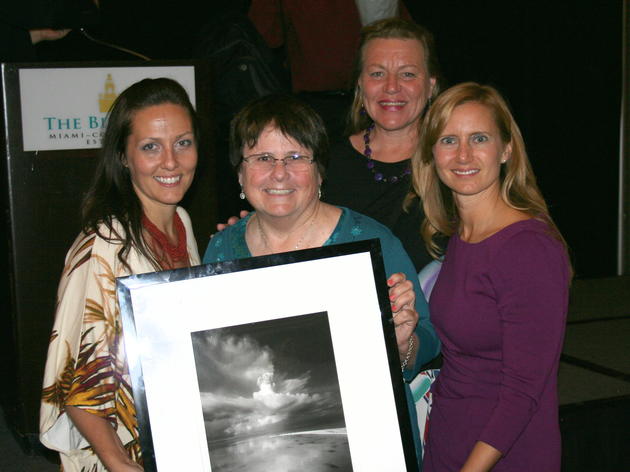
(242, 194)
(362, 110)
(503, 161)
(319, 193)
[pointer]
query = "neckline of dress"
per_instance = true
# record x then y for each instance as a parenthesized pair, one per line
(499, 233)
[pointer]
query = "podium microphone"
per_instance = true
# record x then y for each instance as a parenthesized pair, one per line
(113, 46)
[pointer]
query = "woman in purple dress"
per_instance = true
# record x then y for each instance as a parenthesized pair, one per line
(500, 302)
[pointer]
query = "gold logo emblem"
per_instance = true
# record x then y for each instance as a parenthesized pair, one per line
(106, 99)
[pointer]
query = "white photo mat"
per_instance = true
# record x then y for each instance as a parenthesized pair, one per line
(161, 310)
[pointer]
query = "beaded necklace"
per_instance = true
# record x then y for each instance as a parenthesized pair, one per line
(378, 176)
(175, 253)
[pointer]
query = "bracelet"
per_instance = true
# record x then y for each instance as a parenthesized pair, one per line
(405, 361)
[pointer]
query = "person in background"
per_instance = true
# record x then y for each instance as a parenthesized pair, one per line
(277, 147)
(131, 225)
(369, 171)
(18, 43)
(320, 40)
(500, 302)
(28, 23)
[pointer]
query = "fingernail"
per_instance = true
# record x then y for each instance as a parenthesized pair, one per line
(394, 308)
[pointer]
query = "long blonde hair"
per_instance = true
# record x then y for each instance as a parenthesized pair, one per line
(518, 183)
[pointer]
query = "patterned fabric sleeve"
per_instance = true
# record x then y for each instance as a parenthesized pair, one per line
(86, 365)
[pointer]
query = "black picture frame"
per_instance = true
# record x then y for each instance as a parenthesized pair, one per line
(317, 325)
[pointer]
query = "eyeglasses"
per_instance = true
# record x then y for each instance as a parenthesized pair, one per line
(266, 162)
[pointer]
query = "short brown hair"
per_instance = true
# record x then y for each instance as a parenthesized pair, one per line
(292, 117)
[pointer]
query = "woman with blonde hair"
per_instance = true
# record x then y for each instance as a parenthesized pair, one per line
(396, 77)
(500, 301)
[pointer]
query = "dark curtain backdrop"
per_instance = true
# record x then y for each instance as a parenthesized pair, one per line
(559, 65)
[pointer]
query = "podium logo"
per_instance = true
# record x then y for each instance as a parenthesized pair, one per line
(106, 99)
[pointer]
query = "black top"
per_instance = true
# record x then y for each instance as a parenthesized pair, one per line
(351, 184)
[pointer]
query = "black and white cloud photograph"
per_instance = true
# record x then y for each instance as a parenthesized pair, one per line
(270, 396)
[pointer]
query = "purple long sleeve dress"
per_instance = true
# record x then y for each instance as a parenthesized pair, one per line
(499, 307)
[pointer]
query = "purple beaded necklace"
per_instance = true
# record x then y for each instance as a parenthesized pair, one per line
(378, 176)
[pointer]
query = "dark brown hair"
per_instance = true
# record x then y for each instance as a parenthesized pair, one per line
(111, 195)
(292, 117)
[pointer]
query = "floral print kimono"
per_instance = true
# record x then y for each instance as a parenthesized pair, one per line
(86, 365)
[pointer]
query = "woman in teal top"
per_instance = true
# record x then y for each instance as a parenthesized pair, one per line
(276, 146)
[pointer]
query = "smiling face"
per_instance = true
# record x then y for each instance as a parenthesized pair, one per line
(469, 152)
(279, 192)
(394, 82)
(161, 155)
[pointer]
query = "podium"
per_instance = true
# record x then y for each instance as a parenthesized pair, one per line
(53, 119)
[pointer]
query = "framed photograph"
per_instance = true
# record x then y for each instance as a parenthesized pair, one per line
(274, 363)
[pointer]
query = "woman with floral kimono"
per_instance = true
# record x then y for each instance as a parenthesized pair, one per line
(131, 224)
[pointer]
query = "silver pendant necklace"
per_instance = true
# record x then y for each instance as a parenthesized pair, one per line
(300, 241)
